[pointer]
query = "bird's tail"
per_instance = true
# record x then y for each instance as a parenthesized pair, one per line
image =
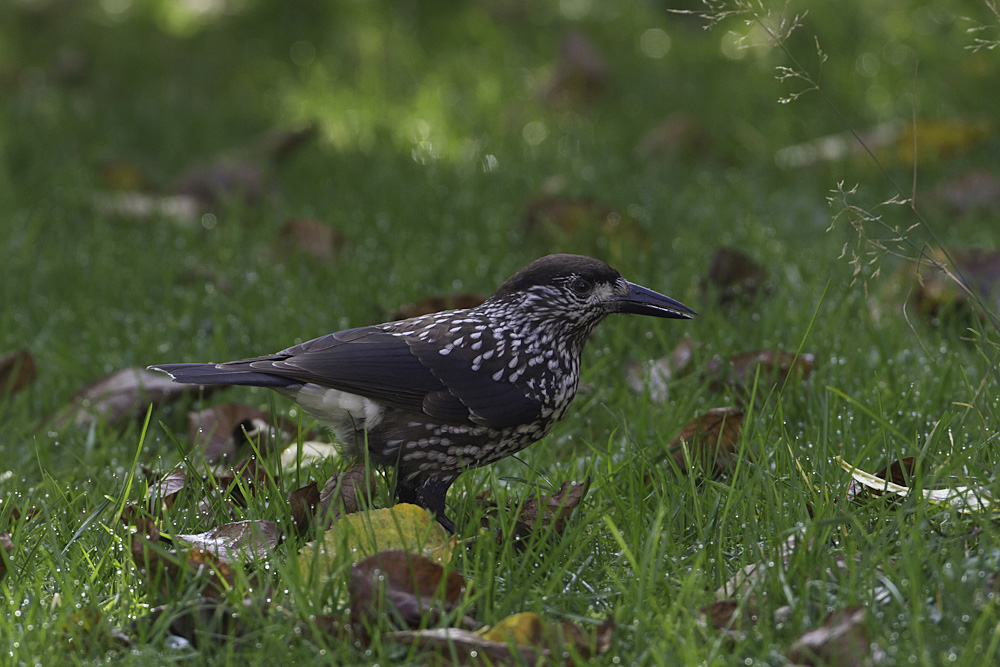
(206, 374)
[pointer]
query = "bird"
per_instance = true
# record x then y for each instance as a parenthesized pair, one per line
(435, 395)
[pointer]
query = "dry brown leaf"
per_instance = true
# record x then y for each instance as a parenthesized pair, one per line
(303, 503)
(244, 480)
(580, 73)
(405, 587)
(346, 492)
(726, 615)
(163, 493)
(546, 515)
(735, 276)
(712, 438)
(739, 371)
(437, 303)
(841, 641)
(247, 540)
(221, 430)
(121, 396)
(678, 135)
(312, 237)
(17, 371)
(166, 571)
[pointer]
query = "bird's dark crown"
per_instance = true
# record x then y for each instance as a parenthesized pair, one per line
(556, 270)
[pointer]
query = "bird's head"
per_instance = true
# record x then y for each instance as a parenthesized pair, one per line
(580, 291)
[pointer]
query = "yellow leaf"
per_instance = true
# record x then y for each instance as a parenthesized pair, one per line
(524, 629)
(353, 537)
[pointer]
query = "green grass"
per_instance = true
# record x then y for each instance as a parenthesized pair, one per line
(412, 104)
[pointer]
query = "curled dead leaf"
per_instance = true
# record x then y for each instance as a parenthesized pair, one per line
(545, 515)
(580, 73)
(247, 540)
(464, 647)
(407, 588)
(312, 237)
(840, 640)
(166, 572)
(712, 439)
(531, 630)
(163, 493)
(17, 371)
(221, 430)
(303, 503)
(346, 492)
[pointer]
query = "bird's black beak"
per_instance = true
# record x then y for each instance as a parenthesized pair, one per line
(640, 300)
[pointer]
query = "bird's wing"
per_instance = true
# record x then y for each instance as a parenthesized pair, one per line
(402, 372)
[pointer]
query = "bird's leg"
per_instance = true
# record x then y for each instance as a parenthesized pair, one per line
(427, 492)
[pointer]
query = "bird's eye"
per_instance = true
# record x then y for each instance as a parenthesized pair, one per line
(582, 287)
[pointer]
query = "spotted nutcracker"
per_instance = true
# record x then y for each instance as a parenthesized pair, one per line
(435, 395)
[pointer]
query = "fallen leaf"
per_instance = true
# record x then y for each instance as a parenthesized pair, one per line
(303, 503)
(734, 276)
(221, 430)
(315, 238)
(655, 376)
(712, 438)
(547, 514)
(898, 472)
(404, 527)
(311, 451)
(678, 135)
(739, 371)
(163, 493)
(247, 540)
(227, 180)
(438, 303)
(17, 371)
(531, 630)
(728, 616)
(580, 73)
(841, 640)
(166, 572)
(244, 480)
(346, 492)
(121, 396)
(405, 587)
(966, 499)
(935, 139)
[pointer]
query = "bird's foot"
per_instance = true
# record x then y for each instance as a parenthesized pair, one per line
(428, 493)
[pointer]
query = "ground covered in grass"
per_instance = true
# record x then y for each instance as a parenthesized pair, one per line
(184, 181)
